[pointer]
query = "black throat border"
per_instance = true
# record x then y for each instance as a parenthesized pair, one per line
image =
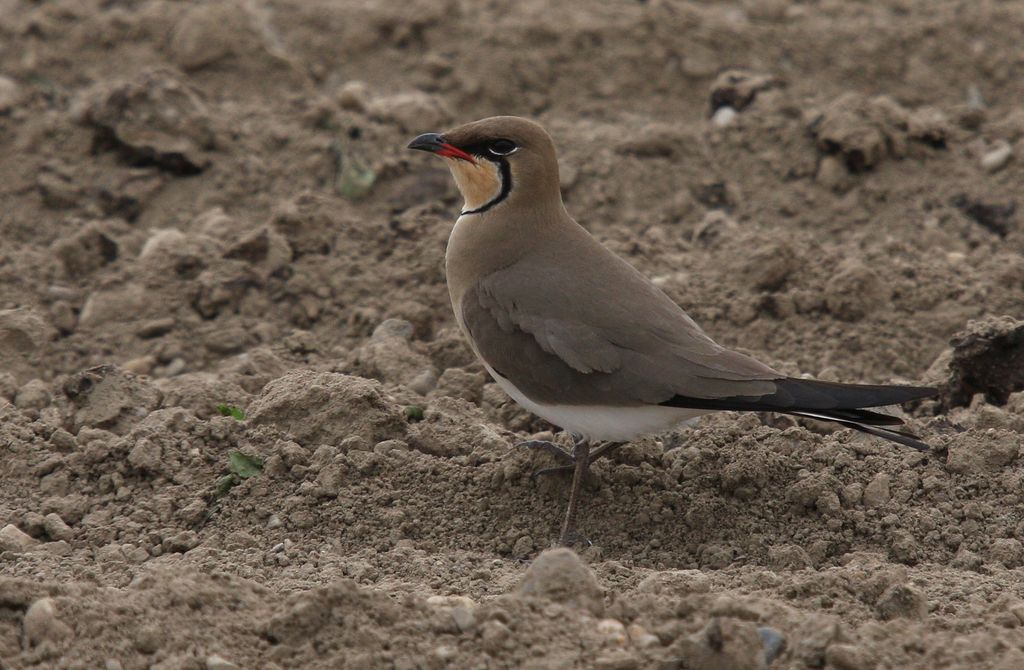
(505, 172)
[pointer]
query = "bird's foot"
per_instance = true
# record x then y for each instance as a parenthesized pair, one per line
(568, 459)
(558, 452)
(557, 470)
(574, 538)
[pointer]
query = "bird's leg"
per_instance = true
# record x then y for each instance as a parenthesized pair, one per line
(578, 463)
(558, 452)
(581, 455)
(604, 450)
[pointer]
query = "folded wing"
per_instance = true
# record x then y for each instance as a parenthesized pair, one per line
(579, 343)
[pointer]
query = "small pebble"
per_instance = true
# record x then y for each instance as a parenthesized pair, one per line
(832, 173)
(464, 617)
(354, 96)
(142, 365)
(523, 547)
(172, 369)
(387, 446)
(33, 395)
(974, 97)
(616, 659)
(216, 662)
(10, 94)
(208, 33)
(640, 638)
(561, 576)
(723, 116)
(901, 601)
(62, 440)
(180, 542)
(446, 652)
(14, 540)
(424, 382)
(996, 158)
(453, 603)
(56, 528)
(612, 632)
(774, 643)
(876, 493)
(42, 625)
(156, 327)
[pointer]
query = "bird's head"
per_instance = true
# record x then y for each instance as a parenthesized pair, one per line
(497, 160)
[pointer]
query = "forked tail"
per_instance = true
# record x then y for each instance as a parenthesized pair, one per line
(826, 401)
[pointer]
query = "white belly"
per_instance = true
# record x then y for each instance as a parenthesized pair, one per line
(598, 422)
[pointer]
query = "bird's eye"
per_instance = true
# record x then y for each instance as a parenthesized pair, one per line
(502, 147)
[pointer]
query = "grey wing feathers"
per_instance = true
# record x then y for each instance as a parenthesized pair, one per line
(580, 343)
(598, 349)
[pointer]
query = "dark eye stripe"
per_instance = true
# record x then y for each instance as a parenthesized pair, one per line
(502, 147)
(487, 148)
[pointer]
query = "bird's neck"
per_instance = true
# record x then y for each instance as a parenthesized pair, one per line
(483, 243)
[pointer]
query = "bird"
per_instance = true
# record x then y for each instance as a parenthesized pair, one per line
(578, 336)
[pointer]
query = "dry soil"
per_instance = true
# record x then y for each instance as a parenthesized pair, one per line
(209, 204)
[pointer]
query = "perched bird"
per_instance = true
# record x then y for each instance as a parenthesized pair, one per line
(579, 337)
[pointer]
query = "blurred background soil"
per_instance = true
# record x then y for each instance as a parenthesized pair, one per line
(209, 204)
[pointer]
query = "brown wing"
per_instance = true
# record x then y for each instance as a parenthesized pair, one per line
(581, 342)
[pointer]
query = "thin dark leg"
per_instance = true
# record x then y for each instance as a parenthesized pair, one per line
(604, 450)
(558, 452)
(581, 454)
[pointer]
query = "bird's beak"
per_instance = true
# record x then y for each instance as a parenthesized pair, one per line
(435, 144)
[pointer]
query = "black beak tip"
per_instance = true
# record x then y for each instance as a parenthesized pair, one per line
(427, 142)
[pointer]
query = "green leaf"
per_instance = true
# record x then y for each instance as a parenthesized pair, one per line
(355, 177)
(243, 465)
(228, 410)
(414, 413)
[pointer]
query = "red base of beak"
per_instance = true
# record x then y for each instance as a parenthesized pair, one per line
(449, 151)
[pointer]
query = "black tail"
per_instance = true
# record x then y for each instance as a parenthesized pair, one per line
(899, 436)
(826, 401)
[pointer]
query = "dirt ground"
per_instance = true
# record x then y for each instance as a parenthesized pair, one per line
(210, 204)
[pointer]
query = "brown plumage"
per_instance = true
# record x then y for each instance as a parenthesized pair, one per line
(579, 336)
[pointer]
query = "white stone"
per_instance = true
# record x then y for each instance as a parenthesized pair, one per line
(216, 662)
(612, 632)
(996, 158)
(10, 94)
(639, 636)
(723, 116)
